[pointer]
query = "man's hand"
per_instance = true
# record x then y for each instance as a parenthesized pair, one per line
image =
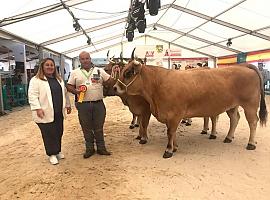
(68, 110)
(77, 91)
(116, 68)
(40, 113)
(115, 72)
(72, 89)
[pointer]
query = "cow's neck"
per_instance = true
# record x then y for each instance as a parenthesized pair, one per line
(150, 90)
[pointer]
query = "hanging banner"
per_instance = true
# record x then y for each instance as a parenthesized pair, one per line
(156, 54)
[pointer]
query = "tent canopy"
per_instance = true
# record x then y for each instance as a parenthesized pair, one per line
(200, 27)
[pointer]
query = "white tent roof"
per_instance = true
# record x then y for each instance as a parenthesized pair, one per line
(200, 27)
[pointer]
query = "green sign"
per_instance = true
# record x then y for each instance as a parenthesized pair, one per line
(241, 57)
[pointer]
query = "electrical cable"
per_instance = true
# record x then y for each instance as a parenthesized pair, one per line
(28, 16)
(101, 12)
(77, 25)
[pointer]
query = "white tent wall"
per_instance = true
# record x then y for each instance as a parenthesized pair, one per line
(202, 26)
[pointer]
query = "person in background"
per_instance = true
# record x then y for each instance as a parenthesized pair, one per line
(90, 106)
(48, 100)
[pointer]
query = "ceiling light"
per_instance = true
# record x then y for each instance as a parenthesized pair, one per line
(229, 43)
(89, 41)
(76, 25)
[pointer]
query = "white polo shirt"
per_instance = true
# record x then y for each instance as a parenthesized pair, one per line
(92, 79)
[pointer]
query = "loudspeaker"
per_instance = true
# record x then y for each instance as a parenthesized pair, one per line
(153, 6)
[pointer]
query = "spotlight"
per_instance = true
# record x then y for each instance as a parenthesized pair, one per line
(130, 35)
(89, 41)
(141, 25)
(76, 25)
(229, 43)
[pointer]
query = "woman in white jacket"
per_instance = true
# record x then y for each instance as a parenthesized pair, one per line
(48, 99)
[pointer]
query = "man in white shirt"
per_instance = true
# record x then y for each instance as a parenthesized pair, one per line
(91, 109)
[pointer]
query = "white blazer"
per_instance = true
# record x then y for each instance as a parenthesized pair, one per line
(40, 97)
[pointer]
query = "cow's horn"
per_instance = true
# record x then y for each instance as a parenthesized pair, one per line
(121, 56)
(108, 54)
(132, 55)
(111, 61)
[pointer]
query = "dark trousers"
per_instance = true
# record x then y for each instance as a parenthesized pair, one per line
(92, 117)
(52, 134)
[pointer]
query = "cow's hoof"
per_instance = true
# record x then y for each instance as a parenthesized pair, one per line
(188, 124)
(143, 141)
(136, 125)
(138, 137)
(131, 126)
(251, 147)
(167, 154)
(174, 149)
(227, 140)
(212, 137)
(204, 132)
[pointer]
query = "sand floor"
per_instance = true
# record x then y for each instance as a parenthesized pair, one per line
(200, 169)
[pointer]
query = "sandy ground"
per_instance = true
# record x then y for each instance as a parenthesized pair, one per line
(200, 169)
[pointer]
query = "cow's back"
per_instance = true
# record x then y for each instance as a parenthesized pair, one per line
(208, 92)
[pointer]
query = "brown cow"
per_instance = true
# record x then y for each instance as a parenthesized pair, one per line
(213, 91)
(108, 89)
(139, 105)
(136, 104)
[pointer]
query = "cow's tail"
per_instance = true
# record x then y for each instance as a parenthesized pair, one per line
(263, 114)
(263, 111)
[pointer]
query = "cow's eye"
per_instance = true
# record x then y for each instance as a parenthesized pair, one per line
(128, 74)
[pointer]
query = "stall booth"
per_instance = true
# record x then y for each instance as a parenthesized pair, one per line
(13, 76)
(18, 64)
(260, 59)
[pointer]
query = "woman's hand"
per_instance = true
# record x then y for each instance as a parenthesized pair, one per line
(68, 110)
(40, 113)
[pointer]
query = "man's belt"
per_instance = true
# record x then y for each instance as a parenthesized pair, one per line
(97, 101)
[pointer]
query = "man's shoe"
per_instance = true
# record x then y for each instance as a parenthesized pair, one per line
(103, 152)
(53, 160)
(88, 153)
(60, 156)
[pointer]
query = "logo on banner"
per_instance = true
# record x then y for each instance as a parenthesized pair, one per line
(173, 52)
(149, 53)
(159, 48)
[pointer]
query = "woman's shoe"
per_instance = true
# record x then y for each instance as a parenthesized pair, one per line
(53, 160)
(60, 156)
